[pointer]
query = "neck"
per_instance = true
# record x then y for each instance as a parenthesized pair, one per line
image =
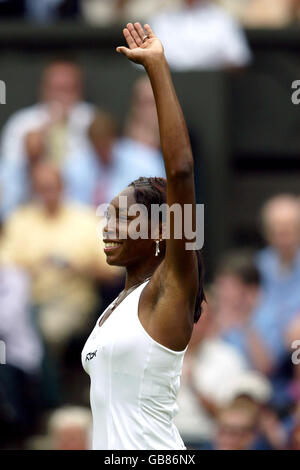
(139, 273)
(52, 211)
(143, 134)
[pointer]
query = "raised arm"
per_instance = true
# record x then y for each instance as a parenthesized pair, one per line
(146, 49)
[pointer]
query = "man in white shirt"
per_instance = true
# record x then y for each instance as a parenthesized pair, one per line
(51, 129)
(103, 12)
(20, 373)
(201, 35)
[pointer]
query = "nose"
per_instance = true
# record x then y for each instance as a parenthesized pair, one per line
(105, 233)
(108, 232)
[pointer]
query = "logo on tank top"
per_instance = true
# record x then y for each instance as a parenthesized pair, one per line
(91, 355)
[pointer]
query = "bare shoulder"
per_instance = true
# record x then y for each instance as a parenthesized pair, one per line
(167, 303)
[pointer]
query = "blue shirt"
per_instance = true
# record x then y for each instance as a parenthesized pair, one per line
(265, 321)
(274, 280)
(84, 173)
(282, 289)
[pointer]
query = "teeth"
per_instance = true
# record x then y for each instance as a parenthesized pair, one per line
(111, 244)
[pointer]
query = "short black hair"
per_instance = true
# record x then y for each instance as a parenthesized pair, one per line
(240, 264)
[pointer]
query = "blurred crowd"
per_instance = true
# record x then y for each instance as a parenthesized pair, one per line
(63, 157)
(251, 13)
(60, 160)
(240, 386)
(209, 33)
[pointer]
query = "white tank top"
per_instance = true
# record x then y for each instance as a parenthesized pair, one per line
(134, 383)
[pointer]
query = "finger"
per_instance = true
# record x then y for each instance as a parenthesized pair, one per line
(136, 36)
(139, 29)
(149, 31)
(130, 41)
(132, 31)
(124, 50)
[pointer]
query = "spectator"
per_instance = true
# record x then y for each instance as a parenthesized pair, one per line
(106, 12)
(68, 428)
(52, 130)
(240, 306)
(23, 345)
(244, 424)
(110, 163)
(86, 171)
(57, 244)
(142, 123)
(39, 11)
(264, 13)
(20, 376)
(207, 37)
(50, 10)
(248, 392)
(237, 427)
(252, 323)
(257, 389)
(281, 228)
(137, 153)
(279, 262)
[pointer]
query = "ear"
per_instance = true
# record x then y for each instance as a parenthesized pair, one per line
(159, 233)
(162, 231)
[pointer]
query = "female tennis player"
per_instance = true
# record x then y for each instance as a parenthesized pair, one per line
(135, 352)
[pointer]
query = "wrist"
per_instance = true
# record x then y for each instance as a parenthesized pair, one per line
(155, 61)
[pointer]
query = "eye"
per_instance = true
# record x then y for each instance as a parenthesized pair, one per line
(123, 217)
(107, 216)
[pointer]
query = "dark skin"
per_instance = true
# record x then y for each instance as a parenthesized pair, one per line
(167, 303)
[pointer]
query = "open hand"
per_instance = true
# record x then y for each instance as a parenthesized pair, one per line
(143, 45)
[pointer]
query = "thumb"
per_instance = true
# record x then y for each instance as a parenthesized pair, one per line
(124, 50)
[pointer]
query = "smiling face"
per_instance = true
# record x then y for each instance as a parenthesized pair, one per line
(120, 248)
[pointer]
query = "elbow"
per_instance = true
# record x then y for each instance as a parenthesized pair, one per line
(183, 170)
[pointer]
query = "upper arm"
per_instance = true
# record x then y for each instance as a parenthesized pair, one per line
(180, 263)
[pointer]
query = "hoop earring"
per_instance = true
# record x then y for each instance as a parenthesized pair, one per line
(157, 250)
